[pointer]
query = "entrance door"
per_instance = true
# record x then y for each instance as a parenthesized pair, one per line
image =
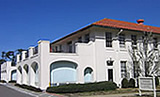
(110, 74)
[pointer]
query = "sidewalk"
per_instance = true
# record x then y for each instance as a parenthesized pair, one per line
(32, 93)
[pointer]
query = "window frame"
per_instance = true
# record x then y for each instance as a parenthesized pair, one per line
(108, 36)
(123, 69)
(122, 41)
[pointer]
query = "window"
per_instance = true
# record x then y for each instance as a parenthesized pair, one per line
(60, 48)
(134, 39)
(135, 69)
(56, 49)
(122, 40)
(80, 39)
(70, 47)
(155, 42)
(123, 69)
(108, 39)
(86, 38)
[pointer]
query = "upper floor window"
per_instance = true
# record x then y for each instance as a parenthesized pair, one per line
(135, 69)
(86, 38)
(80, 39)
(60, 48)
(70, 47)
(155, 42)
(123, 69)
(134, 39)
(122, 40)
(108, 39)
(56, 49)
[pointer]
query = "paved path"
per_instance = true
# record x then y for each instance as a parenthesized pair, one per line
(7, 90)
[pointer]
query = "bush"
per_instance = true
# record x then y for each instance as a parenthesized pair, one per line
(131, 83)
(74, 88)
(125, 83)
(3, 81)
(12, 81)
(156, 81)
(29, 87)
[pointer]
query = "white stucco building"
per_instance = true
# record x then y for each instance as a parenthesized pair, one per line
(8, 72)
(97, 52)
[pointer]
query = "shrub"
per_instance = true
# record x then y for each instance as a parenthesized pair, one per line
(74, 88)
(156, 81)
(131, 83)
(29, 87)
(3, 81)
(125, 83)
(12, 81)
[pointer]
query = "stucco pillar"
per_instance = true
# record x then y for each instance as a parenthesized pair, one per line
(31, 51)
(18, 77)
(23, 54)
(18, 55)
(44, 50)
(32, 77)
(24, 76)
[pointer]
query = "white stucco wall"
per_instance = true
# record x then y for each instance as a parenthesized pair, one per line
(94, 54)
(6, 70)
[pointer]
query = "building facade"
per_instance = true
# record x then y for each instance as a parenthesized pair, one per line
(97, 52)
(8, 72)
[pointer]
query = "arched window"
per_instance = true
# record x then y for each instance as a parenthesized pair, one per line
(63, 72)
(88, 75)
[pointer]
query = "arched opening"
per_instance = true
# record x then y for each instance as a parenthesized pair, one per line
(13, 75)
(63, 72)
(26, 73)
(88, 75)
(35, 74)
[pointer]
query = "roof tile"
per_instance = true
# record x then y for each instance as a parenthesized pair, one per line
(126, 25)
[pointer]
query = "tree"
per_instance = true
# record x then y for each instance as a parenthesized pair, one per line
(3, 55)
(146, 56)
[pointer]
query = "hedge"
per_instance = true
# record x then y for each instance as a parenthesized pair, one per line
(29, 87)
(12, 81)
(125, 83)
(3, 81)
(74, 88)
(131, 83)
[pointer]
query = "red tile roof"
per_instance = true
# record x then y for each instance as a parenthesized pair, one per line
(126, 25)
(116, 24)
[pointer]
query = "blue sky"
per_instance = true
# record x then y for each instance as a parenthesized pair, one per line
(24, 22)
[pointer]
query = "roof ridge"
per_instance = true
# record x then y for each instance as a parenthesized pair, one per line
(126, 25)
(124, 22)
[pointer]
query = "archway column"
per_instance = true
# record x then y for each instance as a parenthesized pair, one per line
(24, 76)
(19, 77)
(32, 77)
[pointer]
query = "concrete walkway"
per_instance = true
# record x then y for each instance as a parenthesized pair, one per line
(31, 93)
